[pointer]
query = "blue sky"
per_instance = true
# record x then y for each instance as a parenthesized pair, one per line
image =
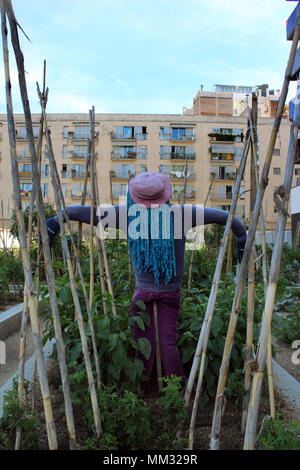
(139, 56)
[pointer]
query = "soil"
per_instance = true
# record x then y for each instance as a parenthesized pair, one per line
(11, 302)
(231, 437)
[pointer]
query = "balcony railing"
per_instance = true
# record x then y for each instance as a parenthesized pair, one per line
(126, 156)
(138, 136)
(25, 174)
(179, 175)
(221, 137)
(221, 197)
(25, 193)
(74, 174)
(78, 194)
(122, 175)
(182, 138)
(21, 156)
(117, 194)
(189, 195)
(79, 156)
(226, 177)
(177, 156)
(228, 157)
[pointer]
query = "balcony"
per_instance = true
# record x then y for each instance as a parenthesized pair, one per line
(79, 156)
(24, 158)
(25, 174)
(177, 156)
(126, 156)
(74, 174)
(189, 195)
(25, 194)
(222, 157)
(182, 138)
(217, 177)
(121, 175)
(118, 194)
(213, 137)
(78, 194)
(179, 175)
(221, 197)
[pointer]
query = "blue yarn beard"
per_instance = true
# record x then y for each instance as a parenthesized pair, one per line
(152, 246)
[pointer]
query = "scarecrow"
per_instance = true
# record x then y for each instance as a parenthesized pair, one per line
(156, 233)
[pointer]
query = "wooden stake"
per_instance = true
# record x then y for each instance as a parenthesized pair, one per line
(157, 348)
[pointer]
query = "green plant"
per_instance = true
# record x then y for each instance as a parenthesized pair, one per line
(115, 343)
(13, 417)
(278, 434)
(11, 274)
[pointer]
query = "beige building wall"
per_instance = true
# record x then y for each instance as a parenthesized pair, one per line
(148, 148)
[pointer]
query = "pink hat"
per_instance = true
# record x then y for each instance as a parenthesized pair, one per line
(150, 188)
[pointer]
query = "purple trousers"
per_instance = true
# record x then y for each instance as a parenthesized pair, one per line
(168, 305)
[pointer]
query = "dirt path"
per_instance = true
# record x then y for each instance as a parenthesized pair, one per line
(12, 344)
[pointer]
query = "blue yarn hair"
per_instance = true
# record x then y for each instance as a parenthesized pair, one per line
(149, 254)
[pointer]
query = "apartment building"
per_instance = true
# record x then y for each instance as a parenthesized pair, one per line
(208, 138)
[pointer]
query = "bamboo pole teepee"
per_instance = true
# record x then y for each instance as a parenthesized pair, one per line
(60, 205)
(6, 9)
(215, 435)
(265, 331)
(200, 354)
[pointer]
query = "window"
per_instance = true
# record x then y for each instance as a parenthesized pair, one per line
(44, 189)
(276, 152)
(119, 189)
(80, 151)
(297, 171)
(45, 170)
(128, 132)
(81, 132)
(276, 171)
(142, 152)
(26, 189)
(26, 167)
(64, 152)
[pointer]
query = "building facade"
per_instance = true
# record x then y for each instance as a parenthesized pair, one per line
(209, 138)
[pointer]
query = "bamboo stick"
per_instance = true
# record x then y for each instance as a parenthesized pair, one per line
(157, 347)
(60, 204)
(101, 245)
(252, 123)
(6, 8)
(229, 254)
(93, 204)
(44, 236)
(24, 328)
(264, 337)
(251, 235)
(83, 194)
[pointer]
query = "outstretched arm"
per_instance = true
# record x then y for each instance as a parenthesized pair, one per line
(110, 216)
(203, 215)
